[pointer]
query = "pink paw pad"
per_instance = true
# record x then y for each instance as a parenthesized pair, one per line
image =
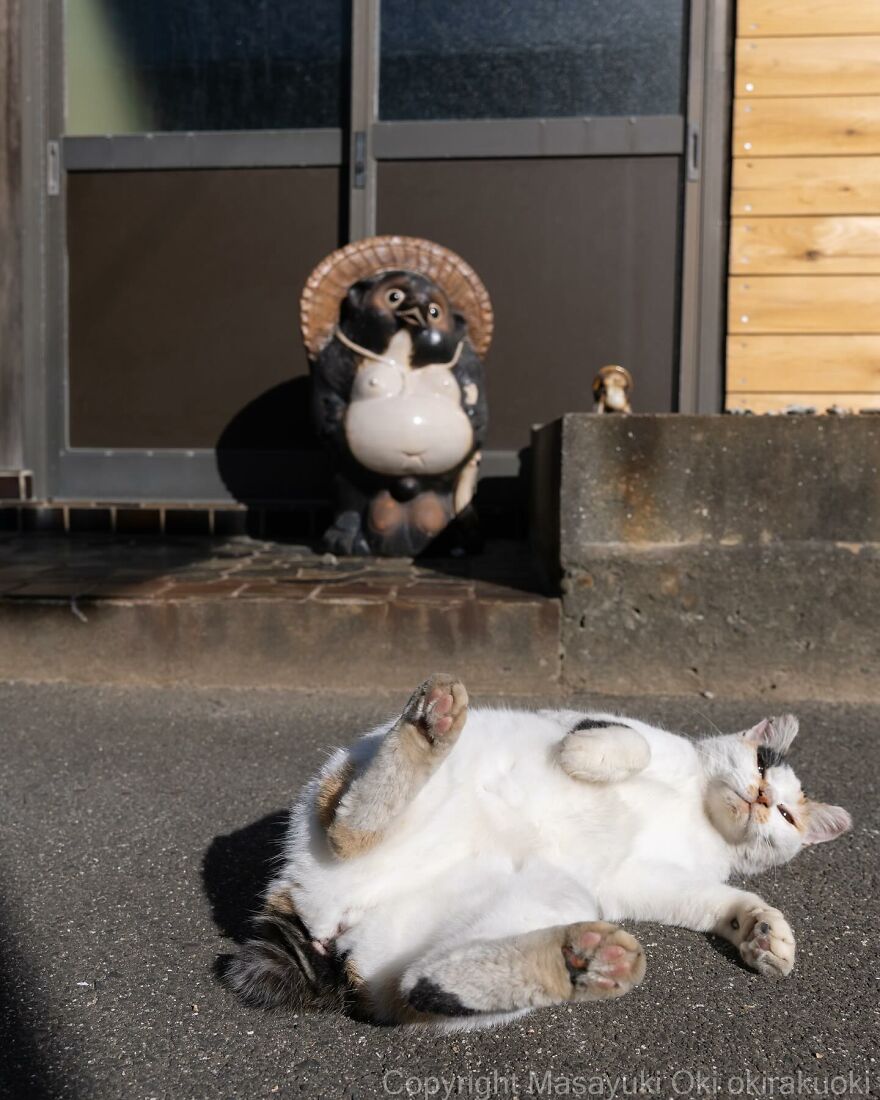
(438, 709)
(586, 941)
(439, 705)
(608, 962)
(614, 963)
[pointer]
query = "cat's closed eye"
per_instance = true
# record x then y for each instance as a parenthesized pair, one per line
(786, 814)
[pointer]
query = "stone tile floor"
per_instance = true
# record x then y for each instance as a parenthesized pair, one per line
(98, 567)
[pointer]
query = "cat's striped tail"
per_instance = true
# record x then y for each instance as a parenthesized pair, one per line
(280, 968)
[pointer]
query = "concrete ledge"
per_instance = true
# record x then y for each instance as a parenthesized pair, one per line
(643, 480)
(730, 555)
(795, 620)
(497, 646)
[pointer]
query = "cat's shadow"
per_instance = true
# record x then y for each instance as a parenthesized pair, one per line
(727, 951)
(236, 869)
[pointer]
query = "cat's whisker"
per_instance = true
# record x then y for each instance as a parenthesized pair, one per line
(711, 723)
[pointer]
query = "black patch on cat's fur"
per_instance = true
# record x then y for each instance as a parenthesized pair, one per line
(275, 965)
(280, 969)
(426, 996)
(596, 724)
(769, 758)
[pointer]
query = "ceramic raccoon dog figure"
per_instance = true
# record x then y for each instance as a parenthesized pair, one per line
(456, 869)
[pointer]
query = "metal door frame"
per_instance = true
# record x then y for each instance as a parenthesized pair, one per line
(706, 214)
(63, 472)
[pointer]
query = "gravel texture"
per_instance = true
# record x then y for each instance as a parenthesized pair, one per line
(138, 825)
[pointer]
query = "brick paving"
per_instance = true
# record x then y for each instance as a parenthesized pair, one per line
(94, 568)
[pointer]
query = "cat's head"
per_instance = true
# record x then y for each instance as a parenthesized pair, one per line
(755, 800)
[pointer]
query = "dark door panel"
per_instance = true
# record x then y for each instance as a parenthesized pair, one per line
(184, 291)
(581, 259)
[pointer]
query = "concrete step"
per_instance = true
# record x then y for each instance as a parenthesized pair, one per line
(727, 555)
(248, 614)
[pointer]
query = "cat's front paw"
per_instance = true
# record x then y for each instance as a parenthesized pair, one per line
(438, 708)
(768, 943)
(602, 960)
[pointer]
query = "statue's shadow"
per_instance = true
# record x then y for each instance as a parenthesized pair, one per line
(271, 460)
(237, 868)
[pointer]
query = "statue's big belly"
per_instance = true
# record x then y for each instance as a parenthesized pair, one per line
(408, 434)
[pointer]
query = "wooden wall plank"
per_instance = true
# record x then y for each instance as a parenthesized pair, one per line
(806, 185)
(808, 66)
(777, 402)
(805, 246)
(805, 125)
(804, 303)
(10, 238)
(785, 17)
(816, 363)
(822, 66)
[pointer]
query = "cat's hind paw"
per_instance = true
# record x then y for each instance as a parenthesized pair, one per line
(768, 943)
(438, 708)
(602, 960)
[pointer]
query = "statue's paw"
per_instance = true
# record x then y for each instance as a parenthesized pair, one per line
(345, 536)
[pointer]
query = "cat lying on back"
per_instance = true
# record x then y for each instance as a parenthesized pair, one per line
(457, 869)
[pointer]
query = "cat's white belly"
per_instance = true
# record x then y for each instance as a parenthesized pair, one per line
(477, 900)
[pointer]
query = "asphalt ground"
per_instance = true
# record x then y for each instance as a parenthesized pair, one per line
(138, 825)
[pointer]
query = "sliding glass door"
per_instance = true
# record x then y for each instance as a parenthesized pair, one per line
(202, 157)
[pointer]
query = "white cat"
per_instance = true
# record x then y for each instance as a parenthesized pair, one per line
(456, 868)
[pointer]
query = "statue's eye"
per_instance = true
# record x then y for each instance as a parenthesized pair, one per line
(394, 297)
(786, 814)
(433, 310)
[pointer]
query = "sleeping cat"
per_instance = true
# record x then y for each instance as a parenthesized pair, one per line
(457, 869)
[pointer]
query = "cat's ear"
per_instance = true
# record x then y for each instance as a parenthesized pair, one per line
(825, 822)
(775, 733)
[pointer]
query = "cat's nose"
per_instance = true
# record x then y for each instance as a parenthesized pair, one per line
(762, 799)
